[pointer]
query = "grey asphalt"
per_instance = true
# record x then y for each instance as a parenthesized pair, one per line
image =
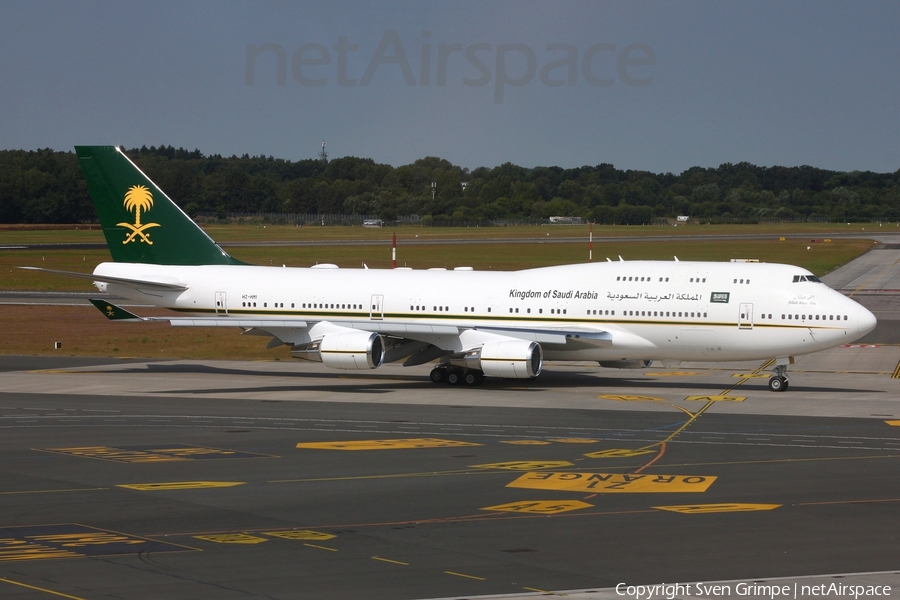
(425, 522)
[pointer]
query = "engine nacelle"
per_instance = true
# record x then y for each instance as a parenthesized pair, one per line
(626, 364)
(516, 359)
(350, 350)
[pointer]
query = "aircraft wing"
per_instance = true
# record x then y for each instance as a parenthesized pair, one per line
(592, 337)
(114, 312)
(140, 284)
(449, 338)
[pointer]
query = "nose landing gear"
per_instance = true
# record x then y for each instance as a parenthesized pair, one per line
(779, 381)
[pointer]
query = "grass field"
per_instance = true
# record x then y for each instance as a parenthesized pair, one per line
(820, 258)
(84, 331)
(251, 232)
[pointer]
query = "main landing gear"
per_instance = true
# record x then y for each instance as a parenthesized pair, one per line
(456, 376)
(779, 381)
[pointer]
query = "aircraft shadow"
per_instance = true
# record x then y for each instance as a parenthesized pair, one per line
(390, 382)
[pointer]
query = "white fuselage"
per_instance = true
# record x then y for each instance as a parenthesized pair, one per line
(653, 310)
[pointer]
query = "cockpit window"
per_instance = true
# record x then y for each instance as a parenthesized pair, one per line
(813, 278)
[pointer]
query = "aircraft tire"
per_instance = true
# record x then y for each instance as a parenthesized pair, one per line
(778, 384)
(473, 378)
(438, 375)
(455, 377)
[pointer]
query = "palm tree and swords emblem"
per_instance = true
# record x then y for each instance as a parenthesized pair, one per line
(138, 198)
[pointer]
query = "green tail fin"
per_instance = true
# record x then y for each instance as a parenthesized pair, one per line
(141, 223)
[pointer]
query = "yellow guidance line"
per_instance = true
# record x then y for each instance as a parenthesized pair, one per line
(321, 547)
(696, 415)
(388, 560)
(31, 587)
(464, 575)
(896, 373)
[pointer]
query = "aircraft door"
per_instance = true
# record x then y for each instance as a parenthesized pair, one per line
(377, 304)
(745, 320)
(221, 307)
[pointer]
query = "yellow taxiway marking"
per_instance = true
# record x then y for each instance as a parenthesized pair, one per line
(543, 507)
(692, 416)
(574, 440)
(893, 423)
(40, 589)
(526, 465)
(526, 442)
(152, 453)
(716, 398)
(232, 538)
(300, 534)
(464, 575)
(629, 398)
(612, 482)
(321, 547)
(388, 560)
(179, 485)
(386, 444)
(617, 453)
(896, 373)
(749, 375)
(538, 590)
(19, 550)
(699, 509)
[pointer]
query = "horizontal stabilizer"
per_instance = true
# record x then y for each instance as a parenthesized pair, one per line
(113, 312)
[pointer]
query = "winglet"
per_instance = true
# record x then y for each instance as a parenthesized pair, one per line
(113, 312)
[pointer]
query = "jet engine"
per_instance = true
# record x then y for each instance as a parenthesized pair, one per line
(518, 359)
(351, 350)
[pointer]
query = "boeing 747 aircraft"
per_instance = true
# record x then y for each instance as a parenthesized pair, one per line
(472, 324)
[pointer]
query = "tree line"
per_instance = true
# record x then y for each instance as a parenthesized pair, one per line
(46, 186)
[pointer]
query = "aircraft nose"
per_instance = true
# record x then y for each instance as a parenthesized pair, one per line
(865, 320)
